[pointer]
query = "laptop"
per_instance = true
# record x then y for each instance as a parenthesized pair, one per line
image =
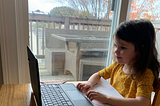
(46, 94)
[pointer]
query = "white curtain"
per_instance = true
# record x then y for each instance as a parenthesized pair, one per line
(14, 37)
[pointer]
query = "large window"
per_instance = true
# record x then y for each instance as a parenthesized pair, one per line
(71, 39)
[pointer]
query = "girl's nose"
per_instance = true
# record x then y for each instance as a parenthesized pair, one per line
(116, 51)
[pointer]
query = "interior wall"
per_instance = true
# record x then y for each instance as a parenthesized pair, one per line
(14, 38)
(8, 41)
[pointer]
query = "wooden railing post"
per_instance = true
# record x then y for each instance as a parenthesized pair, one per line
(48, 24)
(43, 38)
(59, 25)
(78, 26)
(53, 24)
(74, 26)
(88, 27)
(66, 24)
(82, 26)
(37, 37)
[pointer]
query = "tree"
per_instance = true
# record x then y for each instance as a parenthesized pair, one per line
(63, 11)
(102, 8)
(98, 8)
(144, 9)
(67, 11)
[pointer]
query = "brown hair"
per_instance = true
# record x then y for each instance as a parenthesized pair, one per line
(142, 34)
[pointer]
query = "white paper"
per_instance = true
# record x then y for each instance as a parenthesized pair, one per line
(104, 87)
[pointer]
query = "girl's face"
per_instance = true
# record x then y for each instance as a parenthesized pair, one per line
(124, 52)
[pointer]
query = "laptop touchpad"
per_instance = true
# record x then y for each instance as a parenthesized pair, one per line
(75, 95)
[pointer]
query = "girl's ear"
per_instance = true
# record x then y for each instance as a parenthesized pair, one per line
(137, 52)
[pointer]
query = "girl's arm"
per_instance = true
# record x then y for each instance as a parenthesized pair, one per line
(115, 101)
(94, 79)
(138, 101)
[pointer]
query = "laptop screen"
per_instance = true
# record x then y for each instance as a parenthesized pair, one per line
(34, 75)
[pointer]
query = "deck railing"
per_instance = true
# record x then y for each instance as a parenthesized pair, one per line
(38, 23)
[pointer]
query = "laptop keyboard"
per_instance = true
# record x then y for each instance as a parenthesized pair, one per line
(53, 95)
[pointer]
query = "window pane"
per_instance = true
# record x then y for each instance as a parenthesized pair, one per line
(148, 9)
(70, 39)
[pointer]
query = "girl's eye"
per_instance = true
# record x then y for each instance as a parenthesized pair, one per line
(115, 45)
(123, 47)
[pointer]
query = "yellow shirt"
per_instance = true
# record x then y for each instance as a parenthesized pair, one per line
(125, 85)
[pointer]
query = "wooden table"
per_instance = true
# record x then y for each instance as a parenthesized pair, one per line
(72, 58)
(21, 95)
(18, 95)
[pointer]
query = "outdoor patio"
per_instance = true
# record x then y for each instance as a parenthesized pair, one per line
(47, 76)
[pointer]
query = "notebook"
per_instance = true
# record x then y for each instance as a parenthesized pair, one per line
(45, 94)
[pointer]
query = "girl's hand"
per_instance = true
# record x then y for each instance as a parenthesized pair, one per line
(84, 86)
(95, 95)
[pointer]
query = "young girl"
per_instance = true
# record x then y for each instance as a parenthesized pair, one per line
(135, 72)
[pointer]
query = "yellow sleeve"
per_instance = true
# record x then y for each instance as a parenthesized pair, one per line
(106, 72)
(145, 84)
